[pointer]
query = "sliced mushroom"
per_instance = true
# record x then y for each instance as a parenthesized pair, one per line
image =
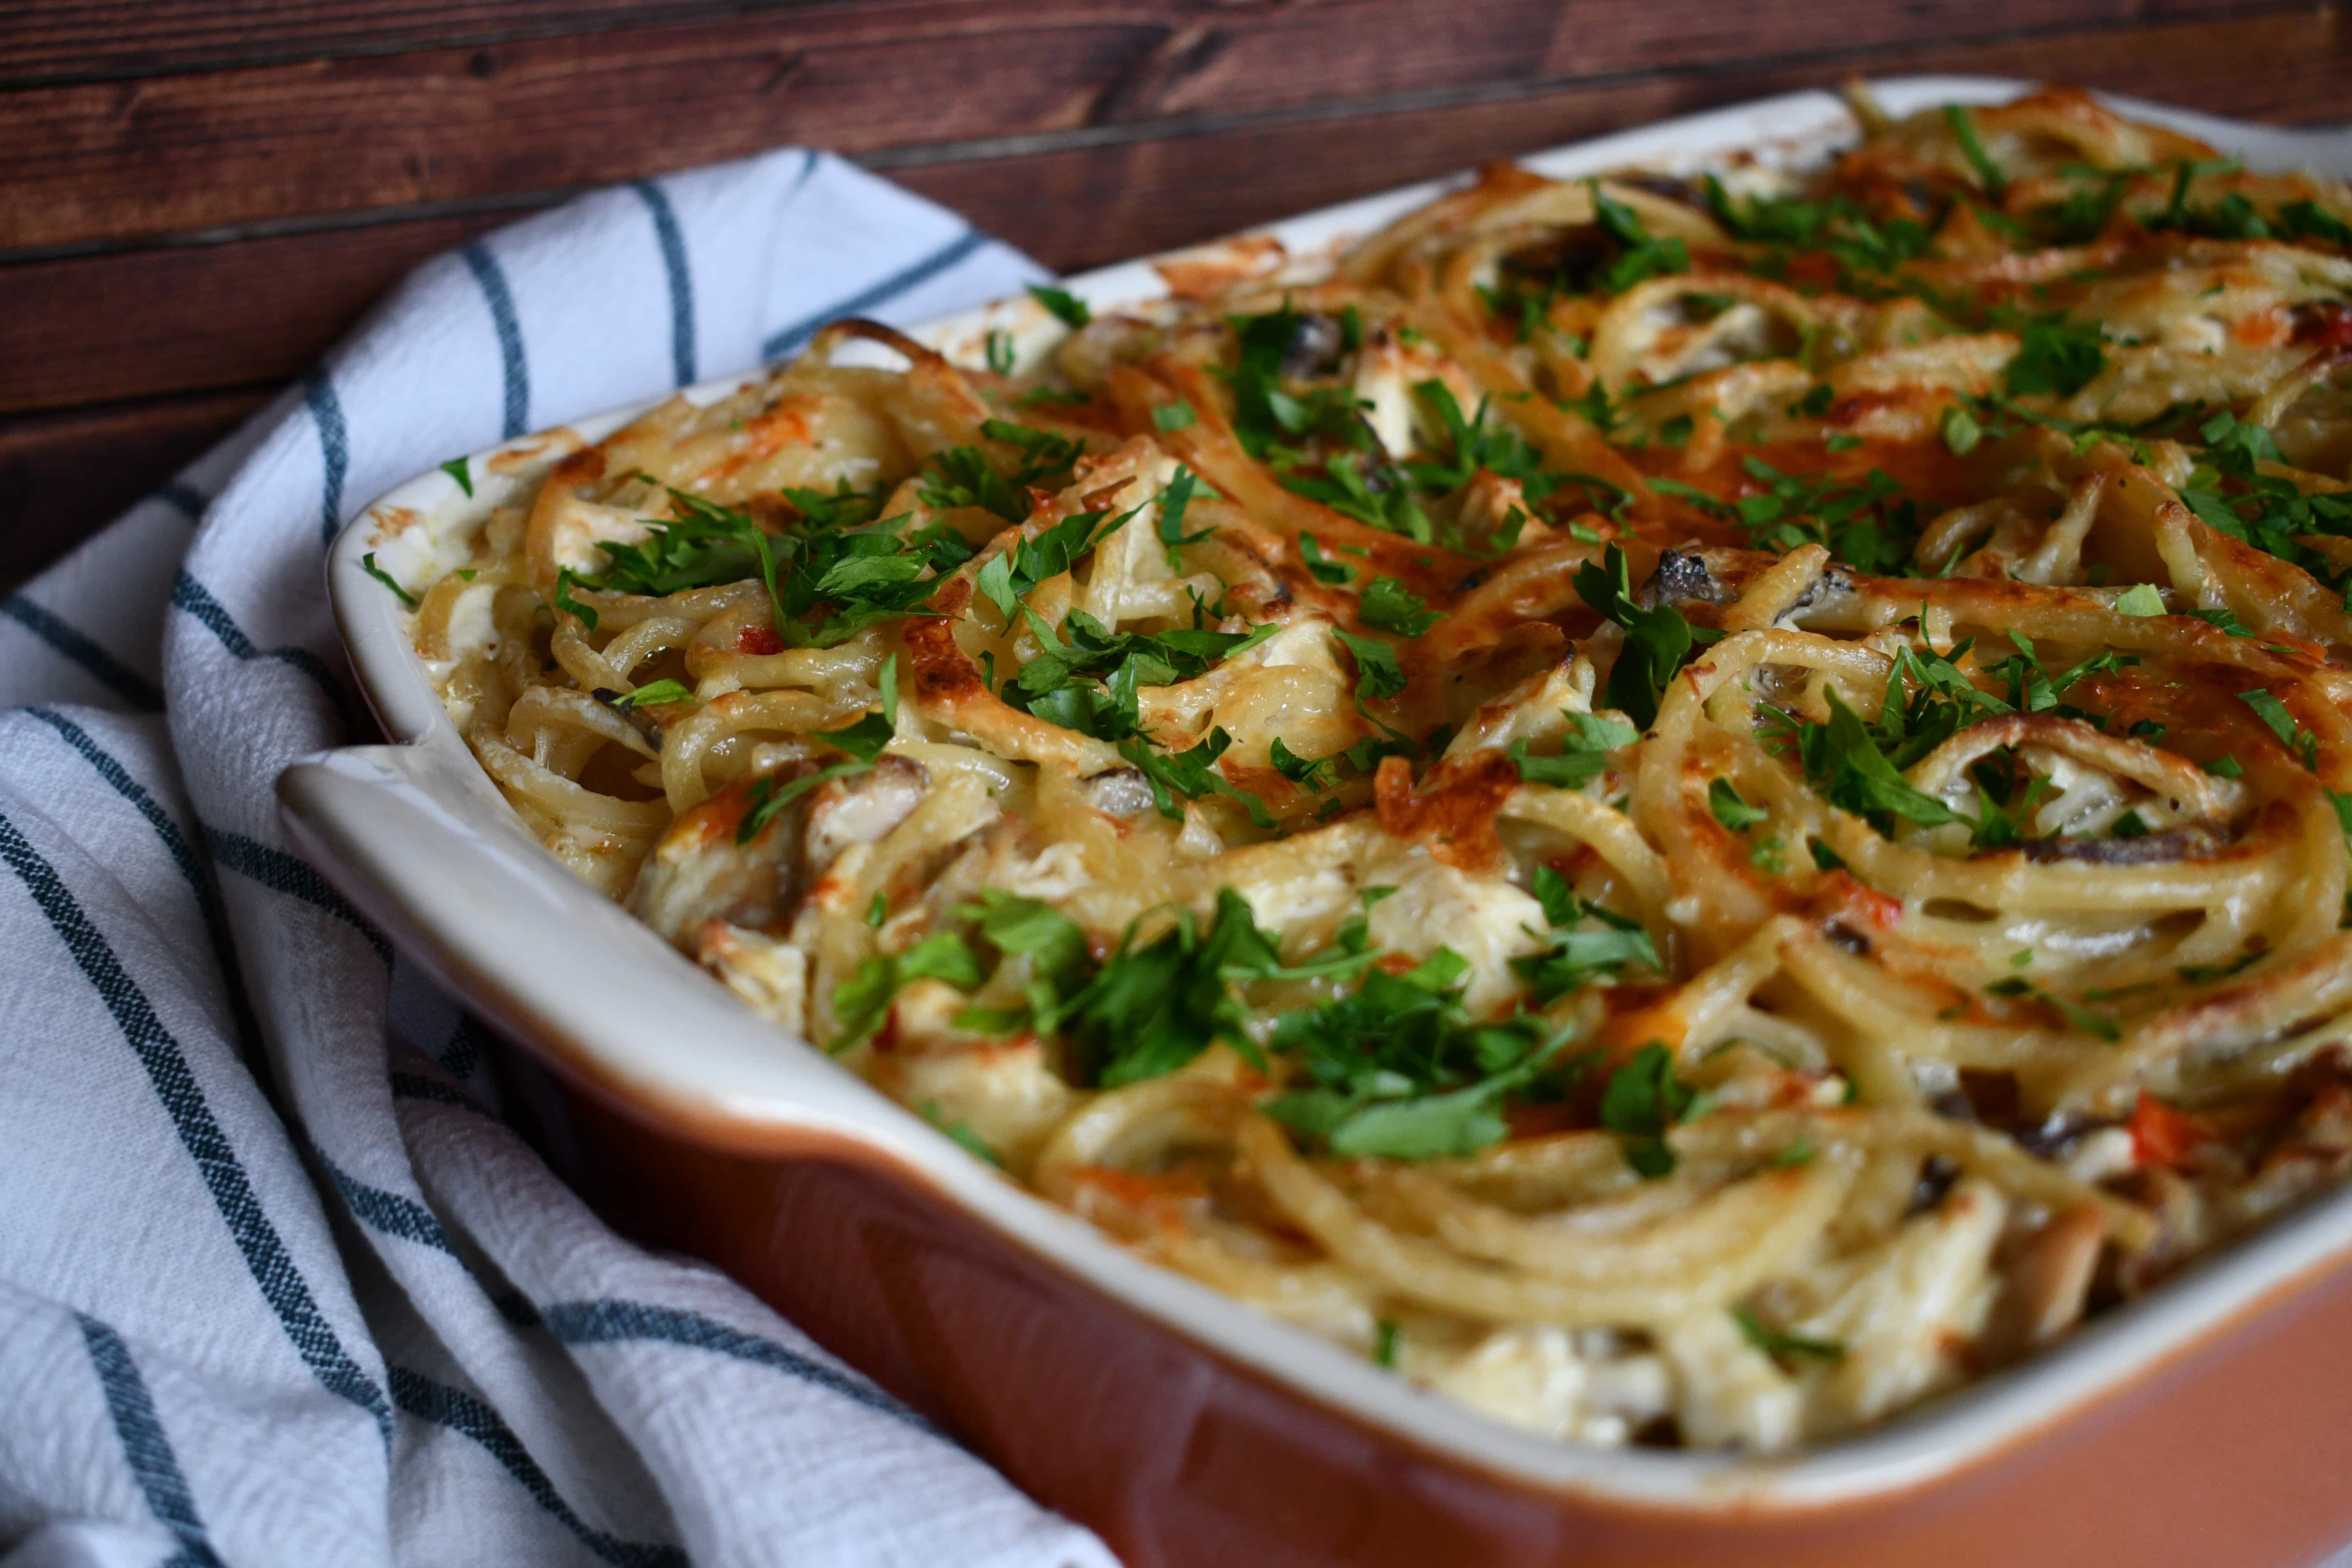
(1122, 792)
(2045, 1286)
(860, 809)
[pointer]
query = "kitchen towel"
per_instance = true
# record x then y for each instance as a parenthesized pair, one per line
(278, 1286)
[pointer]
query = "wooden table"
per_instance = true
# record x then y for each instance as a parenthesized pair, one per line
(197, 197)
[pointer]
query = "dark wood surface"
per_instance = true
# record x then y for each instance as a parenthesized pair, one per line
(201, 194)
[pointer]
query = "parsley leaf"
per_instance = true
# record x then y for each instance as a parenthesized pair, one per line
(1376, 495)
(2056, 356)
(1397, 1069)
(1006, 578)
(1658, 641)
(1313, 774)
(1390, 606)
(1474, 446)
(1583, 751)
(1784, 1347)
(1190, 775)
(1151, 1009)
(864, 1000)
(1640, 256)
(1842, 759)
(1964, 131)
(460, 470)
(1183, 489)
(1724, 800)
(658, 693)
(2301, 742)
(1062, 305)
(1578, 953)
(1322, 567)
(1643, 1099)
(564, 601)
(368, 565)
(1378, 674)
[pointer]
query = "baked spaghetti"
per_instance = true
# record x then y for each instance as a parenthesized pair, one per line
(1690, 812)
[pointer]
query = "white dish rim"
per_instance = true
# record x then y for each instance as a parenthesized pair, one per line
(420, 825)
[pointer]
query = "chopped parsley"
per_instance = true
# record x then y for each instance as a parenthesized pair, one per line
(1963, 127)
(1643, 1099)
(960, 1131)
(1583, 751)
(2074, 1013)
(1658, 641)
(1389, 606)
(1867, 525)
(2298, 741)
(461, 469)
(1397, 1067)
(1960, 430)
(864, 741)
(2228, 492)
(1378, 674)
(2054, 357)
(1087, 676)
(1190, 775)
(1337, 574)
(1578, 952)
(1784, 1347)
(1640, 256)
(368, 565)
(659, 691)
(1724, 800)
(864, 1000)
(840, 573)
(1062, 305)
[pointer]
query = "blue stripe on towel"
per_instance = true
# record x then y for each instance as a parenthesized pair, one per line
(266, 1258)
(195, 599)
(500, 300)
(460, 1411)
(283, 873)
(614, 1322)
(334, 446)
(681, 281)
(145, 1447)
(69, 643)
(791, 339)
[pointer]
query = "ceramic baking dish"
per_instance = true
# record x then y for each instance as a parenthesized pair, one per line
(2205, 1423)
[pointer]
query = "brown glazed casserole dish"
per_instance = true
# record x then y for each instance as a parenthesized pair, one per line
(2201, 1424)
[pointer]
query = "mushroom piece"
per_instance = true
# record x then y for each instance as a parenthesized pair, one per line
(2045, 1285)
(860, 809)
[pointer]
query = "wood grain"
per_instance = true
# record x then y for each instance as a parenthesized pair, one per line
(66, 40)
(64, 475)
(157, 322)
(104, 161)
(55, 40)
(143, 322)
(1085, 206)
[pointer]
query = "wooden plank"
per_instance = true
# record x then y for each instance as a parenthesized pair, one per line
(145, 322)
(95, 162)
(53, 40)
(150, 322)
(65, 476)
(1083, 206)
(69, 40)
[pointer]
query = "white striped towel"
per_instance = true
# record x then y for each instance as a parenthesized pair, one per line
(276, 1285)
